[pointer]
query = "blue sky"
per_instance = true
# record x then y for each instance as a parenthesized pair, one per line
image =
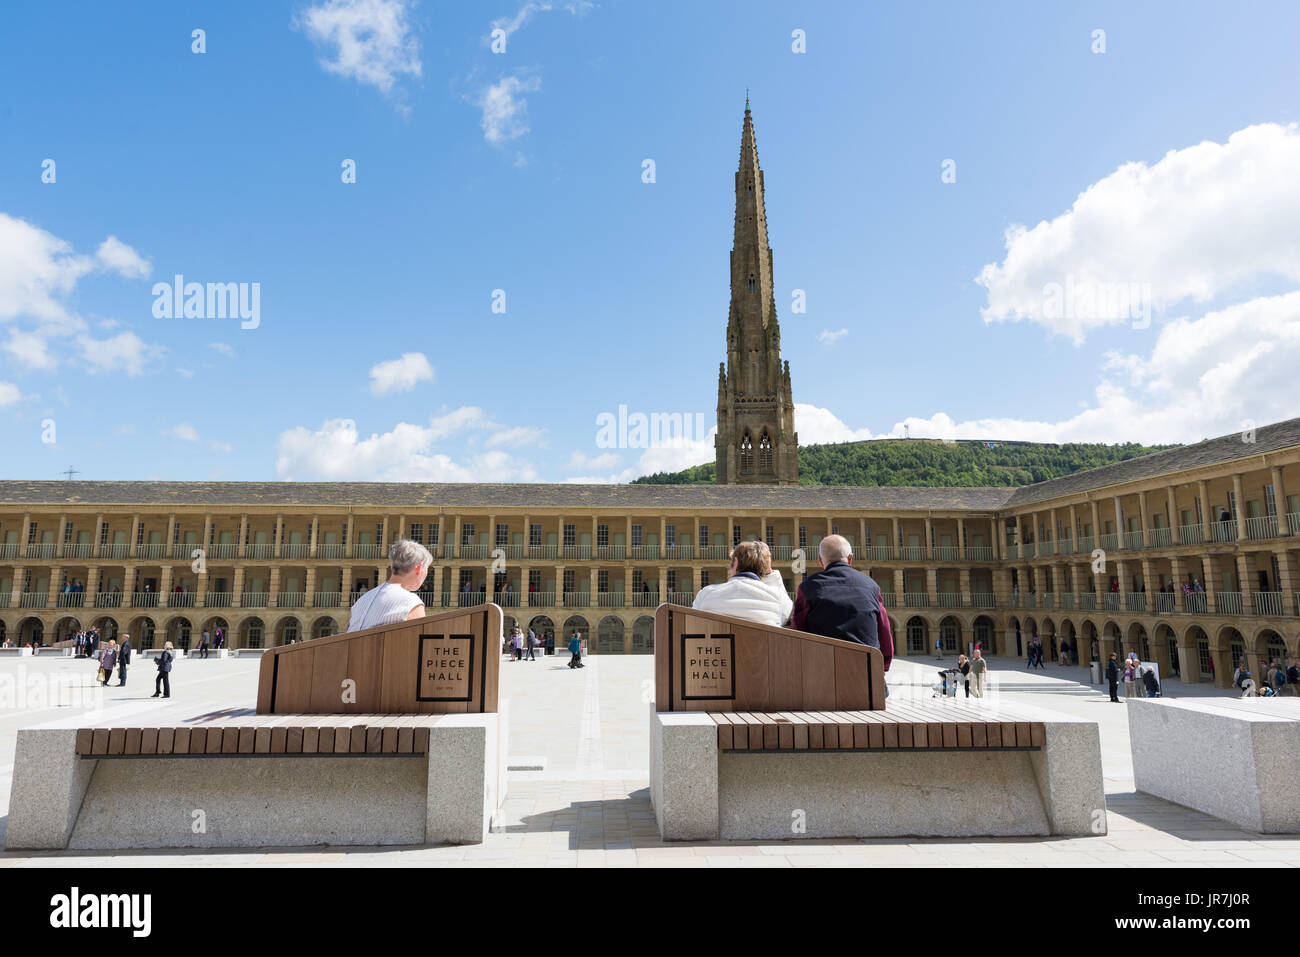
(1164, 165)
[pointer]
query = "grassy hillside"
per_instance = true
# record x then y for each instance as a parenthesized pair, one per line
(934, 462)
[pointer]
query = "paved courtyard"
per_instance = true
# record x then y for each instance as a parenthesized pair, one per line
(580, 795)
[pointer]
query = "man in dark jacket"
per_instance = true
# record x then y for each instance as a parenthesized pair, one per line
(123, 659)
(1112, 678)
(841, 602)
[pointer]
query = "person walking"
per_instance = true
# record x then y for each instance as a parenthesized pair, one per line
(978, 669)
(938, 648)
(513, 644)
(163, 683)
(963, 665)
(1149, 680)
(123, 659)
(107, 659)
(203, 644)
(1112, 678)
(575, 649)
(533, 642)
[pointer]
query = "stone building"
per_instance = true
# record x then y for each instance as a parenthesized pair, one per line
(1100, 557)
(756, 443)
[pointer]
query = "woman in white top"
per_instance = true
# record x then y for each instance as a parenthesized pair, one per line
(394, 600)
(754, 591)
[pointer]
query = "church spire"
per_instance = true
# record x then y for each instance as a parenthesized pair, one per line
(755, 410)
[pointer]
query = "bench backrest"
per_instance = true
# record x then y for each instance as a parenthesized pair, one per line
(708, 662)
(446, 663)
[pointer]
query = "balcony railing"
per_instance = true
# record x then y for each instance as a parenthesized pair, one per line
(1112, 601)
(1293, 522)
(916, 599)
(782, 553)
(610, 599)
(254, 599)
(946, 553)
(506, 599)
(576, 599)
(377, 551)
(1196, 603)
(682, 597)
(331, 599)
(1066, 600)
(1087, 600)
(41, 549)
(685, 552)
(1160, 537)
(889, 599)
(1223, 531)
(1084, 545)
(144, 599)
(114, 550)
(107, 599)
(181, 599)
(1262, 526)
(1108, 542)
(534, 551)
(584, 551)
(222, 550)
(979, 553)
(33, 599)
(912, 553)
(982, 599)
(950, 599)
(467, 599)
(1047, 600)
(1227, 602)
(645, 599)
(291, 599)
(331, 550)
(263, 550)
(538, 599)
(1267, 603)
(1028, 550)
(1012, 551)
(1135, 601)
(76, 549)
(1133, 539)
(878, 553)
(70, 599)
(1191, 534)
(218, 599)
(9, 550)
(620, 551)
(446, 599)
(645, 551)
(1164, 603)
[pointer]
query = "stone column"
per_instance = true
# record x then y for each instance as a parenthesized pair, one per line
(92, 585)
(1174, 524)
(383, 545)
(15, 595)
(207, 533)
(932, 586)
(165, 586)
(899, 585)
(277, 536)
(309, 588)
(964, 580)
(1238, 516)
(1096, 524)
(240, 547)
(274, 587)
(1176, 570)
(895, 544)
(1287, 581)
(1074, 530)
(128, 586)
(1119, 523)
(1203, 492)
(237, 595)
(1020, 534)
(99, 524)
(132, 548)
(1144, 515)
(352, 541)
(998, 530)
(1211, 586)
(1279, 501)
(171, 533)
(961, 538)
(1245, 584)
(311, 545)
(52, 593)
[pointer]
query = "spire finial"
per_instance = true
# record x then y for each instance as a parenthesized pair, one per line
(746, 99)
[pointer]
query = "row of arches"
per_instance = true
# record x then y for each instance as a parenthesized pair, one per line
(181, 631)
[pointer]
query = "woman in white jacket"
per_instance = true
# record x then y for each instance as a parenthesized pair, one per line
(754, 591)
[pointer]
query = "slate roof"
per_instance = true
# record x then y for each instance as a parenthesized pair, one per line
(420, 495)
(1225, 448)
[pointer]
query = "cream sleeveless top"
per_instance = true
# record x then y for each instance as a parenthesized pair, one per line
(382, 606)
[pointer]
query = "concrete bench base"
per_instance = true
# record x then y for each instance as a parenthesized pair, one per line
(701, 792)
(1237, 759)
(15, 652)
(448, 795)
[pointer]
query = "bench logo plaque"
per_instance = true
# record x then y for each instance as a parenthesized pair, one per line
(708, 667)
(446, 664)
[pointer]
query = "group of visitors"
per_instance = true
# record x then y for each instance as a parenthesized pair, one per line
(1279, 679)
(519, 643)
(839, 601)
(1132, 672)
(974, 667)
(85, 642)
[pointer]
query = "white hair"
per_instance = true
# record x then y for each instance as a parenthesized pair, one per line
(835, 548)
(406, 554)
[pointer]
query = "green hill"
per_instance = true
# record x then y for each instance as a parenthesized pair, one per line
(934, 462)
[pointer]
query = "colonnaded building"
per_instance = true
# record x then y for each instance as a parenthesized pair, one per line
(276, 562)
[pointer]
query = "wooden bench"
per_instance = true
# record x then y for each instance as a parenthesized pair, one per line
(752, 724)
(308, 769)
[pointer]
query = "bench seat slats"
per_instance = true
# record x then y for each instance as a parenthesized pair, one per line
(903, 726)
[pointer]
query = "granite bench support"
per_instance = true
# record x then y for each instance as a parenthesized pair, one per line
(259, 781)
(1236, 759)
(912, 771)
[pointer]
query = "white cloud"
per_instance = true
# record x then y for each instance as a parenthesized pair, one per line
(519, 435)
(400, 375)
(183, 431)
(222, 447)
(224, 349)
(9, 393)
(187, 373)
(124, 353)
(603, 461)
(525, 13)
(337, 452)
(121, 258)
(38, 274)
(503, 108)
(829, 338)
(1200, 223)
(370, 41)
(817, 426)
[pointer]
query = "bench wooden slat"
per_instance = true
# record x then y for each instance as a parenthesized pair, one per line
(261, 741)
(116, 740)
(85, 741)
(132, 744)
(149, 741)
(166, 740)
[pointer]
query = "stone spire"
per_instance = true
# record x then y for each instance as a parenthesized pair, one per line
(756, 442)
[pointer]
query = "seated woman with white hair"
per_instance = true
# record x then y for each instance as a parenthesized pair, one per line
(394, 600)
(754, 591)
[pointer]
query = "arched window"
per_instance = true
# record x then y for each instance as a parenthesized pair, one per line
(746, 455)
(751, 282)
(765, 453)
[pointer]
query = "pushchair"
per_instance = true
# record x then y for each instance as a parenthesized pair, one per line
(946, 686)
